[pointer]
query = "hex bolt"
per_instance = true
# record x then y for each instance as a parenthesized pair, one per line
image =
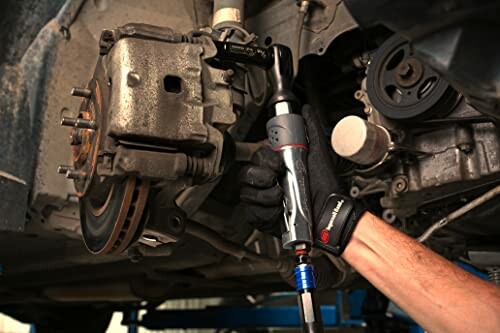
(76, 174)
(464, 138)
(405, 71)
(81, 92)
(358, 95)
(465, 147)
(228, 76)
(409, 72)
(354, 192)
(79, 123)
(176, 222)
(400, 184)
(63, 169)
(389, 216)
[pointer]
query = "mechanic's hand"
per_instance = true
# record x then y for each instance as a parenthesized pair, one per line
(335, 215)
(321, 160)
(263, 197)
(261, 194)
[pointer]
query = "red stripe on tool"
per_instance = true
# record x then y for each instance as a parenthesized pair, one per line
(295, 145)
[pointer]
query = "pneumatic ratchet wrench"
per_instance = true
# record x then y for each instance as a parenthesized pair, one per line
(287, 135)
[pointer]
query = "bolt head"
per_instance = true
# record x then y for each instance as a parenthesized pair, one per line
(465, 147)
(405, 70)
(409, 72)
(228, 76)
(400, 184)
(63, 169)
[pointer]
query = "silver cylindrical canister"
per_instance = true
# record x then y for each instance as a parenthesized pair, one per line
(359, 141)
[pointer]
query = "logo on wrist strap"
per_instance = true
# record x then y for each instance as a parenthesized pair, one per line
(325, 233)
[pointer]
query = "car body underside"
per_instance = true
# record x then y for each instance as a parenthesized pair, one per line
(159, 130)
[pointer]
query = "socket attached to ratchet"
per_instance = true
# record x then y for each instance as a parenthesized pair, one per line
(287, 135)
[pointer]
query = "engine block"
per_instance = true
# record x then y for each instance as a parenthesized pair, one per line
(440, 147)
(451, 159)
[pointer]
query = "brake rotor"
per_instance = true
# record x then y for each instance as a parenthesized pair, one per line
(401, 87)
(111, 215)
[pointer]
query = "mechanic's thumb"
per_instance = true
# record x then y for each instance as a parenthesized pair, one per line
(322, 177)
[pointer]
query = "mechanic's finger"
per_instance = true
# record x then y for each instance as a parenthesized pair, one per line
(265, 219)
(322, 177)
(266, 157)
(258, 176)
(317, 134)
(320, 152)
(265, 197)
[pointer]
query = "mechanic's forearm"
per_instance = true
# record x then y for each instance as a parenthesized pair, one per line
(437, 294)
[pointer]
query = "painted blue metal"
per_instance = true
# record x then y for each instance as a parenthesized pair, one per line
(276, 316)
(304, 277)
(354, 303)
(233, 317)
(356, 299)
(416, 329)
(32, 328)
(253, 317)
(472, 270)
(133, 317)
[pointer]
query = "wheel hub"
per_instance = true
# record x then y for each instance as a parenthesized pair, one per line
(111, 209)
(409, 72)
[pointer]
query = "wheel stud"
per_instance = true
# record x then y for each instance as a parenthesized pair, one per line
(75, 174)
(79, 123)
(63, 169)
(81, 92)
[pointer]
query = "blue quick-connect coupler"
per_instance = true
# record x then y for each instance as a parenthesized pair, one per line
(304, 277)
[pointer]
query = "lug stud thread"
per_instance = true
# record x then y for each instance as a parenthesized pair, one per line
(81, 92)
(79, 123)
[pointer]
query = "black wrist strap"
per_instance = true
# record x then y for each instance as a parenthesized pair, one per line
(335, 225)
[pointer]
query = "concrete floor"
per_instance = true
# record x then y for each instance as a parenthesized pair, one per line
(9, 325)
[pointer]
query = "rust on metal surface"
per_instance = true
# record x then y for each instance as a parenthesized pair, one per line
(133, 217)
(100, 210)
(85, 154)
(128, 218)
